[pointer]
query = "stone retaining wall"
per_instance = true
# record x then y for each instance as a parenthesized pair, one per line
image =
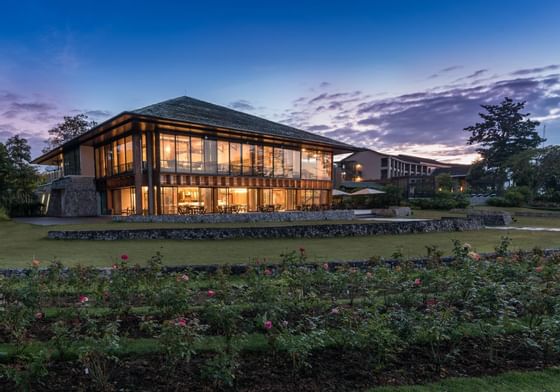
(491, 218)
(295, 231)
(538, 214)
(289, 216)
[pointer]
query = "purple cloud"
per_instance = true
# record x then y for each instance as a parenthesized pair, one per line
(536, 70)
(242, 105)
(423, 120)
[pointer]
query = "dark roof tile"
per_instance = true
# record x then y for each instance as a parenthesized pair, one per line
(195, 111)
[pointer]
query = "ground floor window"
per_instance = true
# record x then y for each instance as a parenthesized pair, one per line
(201, 200)
(205, 200)
(121, 201)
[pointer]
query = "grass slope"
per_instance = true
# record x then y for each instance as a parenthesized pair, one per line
(20, 243)
(543, 381)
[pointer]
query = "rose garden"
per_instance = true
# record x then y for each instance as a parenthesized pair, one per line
(291, 325)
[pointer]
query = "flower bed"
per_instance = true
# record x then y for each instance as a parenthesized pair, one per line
(288, 327)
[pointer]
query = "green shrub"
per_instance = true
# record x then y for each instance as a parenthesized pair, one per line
(3, 214)
(25, 208)
(514, 197)
(442, 201)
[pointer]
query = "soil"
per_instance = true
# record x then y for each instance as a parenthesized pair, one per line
(330, 370)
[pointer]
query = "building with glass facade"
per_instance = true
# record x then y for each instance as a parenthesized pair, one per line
(186, 156)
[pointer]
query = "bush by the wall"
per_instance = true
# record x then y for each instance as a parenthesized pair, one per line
(25, 208)
(514, 197)
(3, 214)
(442, 201)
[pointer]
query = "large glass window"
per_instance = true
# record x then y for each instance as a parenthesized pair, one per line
(123, 201)
(235, 158)
(249, 159)
(207, 200)
(188, 200)
(316, 165)
(252, 199)
(114, 159)
(223, 157)
(167, 153)
(259, 156)
(278, 162)
(197, 155)
(129, 156)
(279, 199)
(291, 163)
(183, 154)
(210, 156)
(324, 166)
(169, 200)
(268, 161)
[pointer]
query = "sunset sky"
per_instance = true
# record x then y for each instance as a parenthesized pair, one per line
(395, 76)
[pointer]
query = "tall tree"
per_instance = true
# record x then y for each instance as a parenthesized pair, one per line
(503, 133)
(71, 127)
(18, 178)
(548, 171)
(19, 151)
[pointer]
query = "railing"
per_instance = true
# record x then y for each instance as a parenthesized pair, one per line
(53, 175)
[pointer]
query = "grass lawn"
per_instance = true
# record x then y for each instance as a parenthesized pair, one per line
(20, 243)
(543, 381)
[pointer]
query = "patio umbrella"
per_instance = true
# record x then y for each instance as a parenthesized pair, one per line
(367, 191)
(337, 192)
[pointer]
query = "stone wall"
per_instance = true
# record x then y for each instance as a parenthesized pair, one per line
(491, 218)
(294, 231)
(71, 196)
(290, 216)
(539, 214)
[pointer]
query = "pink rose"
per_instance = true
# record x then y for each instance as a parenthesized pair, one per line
(335, 311)
(115, 266)
(267, 325)
(83, 299)
(124, 257)
(267, 272)
(417, 282)
(474, 256)
(211, 293)
(181, 322)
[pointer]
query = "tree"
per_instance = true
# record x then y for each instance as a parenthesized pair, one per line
(479, 179)
(548, 173)
(523, 168)
(19, 151)
(444, 182)
(503, 133)
(71, 127)
(18, 178)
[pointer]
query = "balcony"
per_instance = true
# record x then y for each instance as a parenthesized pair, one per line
(53, 175)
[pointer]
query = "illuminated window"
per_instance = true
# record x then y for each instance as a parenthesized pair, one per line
(235, 158)
(167, 153)
(197, 155)
(183, 154)
(223, 157)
